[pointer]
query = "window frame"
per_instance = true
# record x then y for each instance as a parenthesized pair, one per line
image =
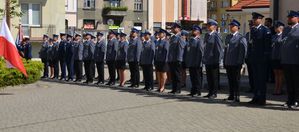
(138, 5)
(92, 4)
(30, 17)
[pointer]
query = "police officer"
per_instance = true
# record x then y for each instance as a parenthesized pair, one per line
(62, 56)
(249, 47)
(27, 49)
(70, 57)
(234, 56)
(88, 54)
(175, 58)
(212, 55)
(276, 57)
(121, 57)
(112, 48)
(133, 57)
(161, 59)
(290, 60)
(51, 56)
(99, 54)
(78, 57)
(88, 57)
(193, 60)
(56, 57)
(43, 55)
(185, 37)
(146, 61)
(261, 43)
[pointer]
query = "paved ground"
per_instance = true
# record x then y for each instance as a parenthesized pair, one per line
(59, 107)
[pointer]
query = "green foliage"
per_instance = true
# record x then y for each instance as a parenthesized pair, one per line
(111, 8)
(12, 77)
(14, 6)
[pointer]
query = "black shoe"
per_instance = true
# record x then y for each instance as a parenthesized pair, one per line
(44, 77)
(78, 80)
(150, 89)
(70, 79)
(110, 83)
(145, 88)
(253, 101)
(261, 102)
(198, 93)
(207, 96)
(172, 92)
(133, 86)
(191, 94)
(230, 99)
(86, 82)
(213, 96)
(62, 79)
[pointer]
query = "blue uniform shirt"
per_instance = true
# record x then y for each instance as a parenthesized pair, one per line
(161, 52)
(235, 50)
(134, 50)
(176, 48)
(147, 53)
(213, 51)
(194, 52)
(112, 48)
(122, 51)
(99, 52)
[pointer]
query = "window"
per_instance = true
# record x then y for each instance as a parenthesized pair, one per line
(89, 4)
(31, 14)
(138, 5)
(115, 3)
(88, 24)
(138, 26)
(225, 4)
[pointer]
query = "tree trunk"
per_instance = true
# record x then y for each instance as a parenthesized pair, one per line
(7, 12)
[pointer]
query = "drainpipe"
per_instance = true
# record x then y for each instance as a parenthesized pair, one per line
(275, 9)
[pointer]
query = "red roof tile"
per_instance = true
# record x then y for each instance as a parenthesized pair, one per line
(249, 4)
(258, 4)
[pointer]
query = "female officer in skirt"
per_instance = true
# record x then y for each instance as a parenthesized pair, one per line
(276, 44)
(121, 56)
(161, 53)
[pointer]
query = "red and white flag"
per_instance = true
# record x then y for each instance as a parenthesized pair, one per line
(8, 48)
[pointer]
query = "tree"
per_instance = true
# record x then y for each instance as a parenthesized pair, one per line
(11, 6)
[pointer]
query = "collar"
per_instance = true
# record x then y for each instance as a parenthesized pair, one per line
(212, 32)
(162, 38)
(177, 34)
(258, 26)
(295, 25)
(279, 33)
(197, 37)
(235, 33)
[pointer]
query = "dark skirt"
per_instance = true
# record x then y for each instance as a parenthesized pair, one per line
(276, 65)
(120, 64)
(161, 67)
(184, 67)
(52, 63)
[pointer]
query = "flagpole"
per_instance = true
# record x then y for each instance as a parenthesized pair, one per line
(7, 10)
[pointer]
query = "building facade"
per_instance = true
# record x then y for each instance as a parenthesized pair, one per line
(70, 14)
(104, 15)
(280, 8)
(243, 9)
(217, 11)
(39, 17)
(162, 13)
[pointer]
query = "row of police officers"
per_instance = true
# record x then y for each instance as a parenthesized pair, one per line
(172, 52)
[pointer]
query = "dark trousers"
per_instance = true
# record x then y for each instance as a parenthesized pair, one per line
(111, 70)
(250, 76)
(259, 72)
(62, 68)
(78, 69)
(291, 73)
(56, 68)
(100, 69)
(70, 68)
(148, 75)
(176, 75)
(46, 67)
(135, 75)
(196, 79)
(212, 78)
(233, 75)
(88, 65)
